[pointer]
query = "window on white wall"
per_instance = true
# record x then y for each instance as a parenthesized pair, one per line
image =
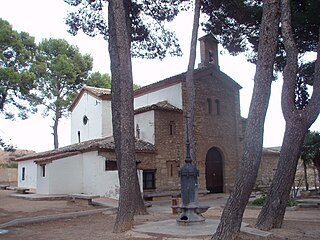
(79, 136)
(43, 170)
(85, 120)
(110, 165)
(23, 173)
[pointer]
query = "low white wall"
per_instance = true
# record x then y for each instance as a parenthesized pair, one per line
(63, 176)
(97, 181)
(30, 179)
(83, 173)
(66, 175)
(43, 182)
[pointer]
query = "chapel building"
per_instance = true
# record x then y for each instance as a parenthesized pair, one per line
(89, 165)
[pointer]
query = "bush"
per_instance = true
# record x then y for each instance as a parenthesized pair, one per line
(259, 201)
(9, 165)
(291, 202)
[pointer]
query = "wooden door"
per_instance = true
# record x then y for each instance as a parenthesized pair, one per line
(214, 171)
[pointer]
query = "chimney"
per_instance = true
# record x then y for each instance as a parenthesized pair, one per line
(208, 51)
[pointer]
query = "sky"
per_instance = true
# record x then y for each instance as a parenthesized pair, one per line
(45, 19)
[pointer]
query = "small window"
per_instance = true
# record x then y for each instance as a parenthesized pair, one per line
(85, 120)
(172, 170)
(209, 105)
(23, 173)
(79, 136)
(218, 106)
(172, 128)
(43, 170)
(149, 179)
(110, 165)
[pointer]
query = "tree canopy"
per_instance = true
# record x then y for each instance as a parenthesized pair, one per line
(16, 81)
(97, 79)
(149, 36)
(60, 71)
(236, 26)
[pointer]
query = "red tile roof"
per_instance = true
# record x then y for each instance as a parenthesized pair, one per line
(106, 143)
(162, 106)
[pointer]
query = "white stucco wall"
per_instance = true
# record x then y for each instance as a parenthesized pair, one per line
(30, 174)
(43, 182)
(145, 121)
(173, 94)
(63, 176)
(106, 119)
(83, 173)
(92, 108)
(97, 181)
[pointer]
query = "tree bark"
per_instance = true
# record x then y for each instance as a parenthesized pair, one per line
(55, 128)
(122, 113)
(273, 211)
(305, 175)
(190, 81)
(318, 180)
(231, 218)
(297, 123)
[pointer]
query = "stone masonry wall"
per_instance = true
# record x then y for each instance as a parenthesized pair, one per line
(221, 128)
(170, 149)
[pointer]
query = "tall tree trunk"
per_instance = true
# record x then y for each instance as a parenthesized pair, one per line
(122, 112)
(297, 123)
(231, 218)
(190, 80)
(318, 170)
(273, 211)
(305, 169)
(55, 128)
(315, 177)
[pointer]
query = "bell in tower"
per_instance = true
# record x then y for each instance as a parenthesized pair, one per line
(209, 51)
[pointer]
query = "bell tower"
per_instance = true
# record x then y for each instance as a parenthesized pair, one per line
(208, 51)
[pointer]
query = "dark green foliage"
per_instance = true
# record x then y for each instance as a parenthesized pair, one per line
(236, 24)
(259, 201)
(301, 94)
(97, 79)
(60, 71)
(6, 147)
(16, 81)
(311, 149)
(292, 202)
(149, 36)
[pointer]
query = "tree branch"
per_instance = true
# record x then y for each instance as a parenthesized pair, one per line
(291, 68)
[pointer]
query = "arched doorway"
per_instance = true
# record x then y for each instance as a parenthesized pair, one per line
(214, 171)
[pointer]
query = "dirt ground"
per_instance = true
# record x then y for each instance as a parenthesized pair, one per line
(299, 224)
